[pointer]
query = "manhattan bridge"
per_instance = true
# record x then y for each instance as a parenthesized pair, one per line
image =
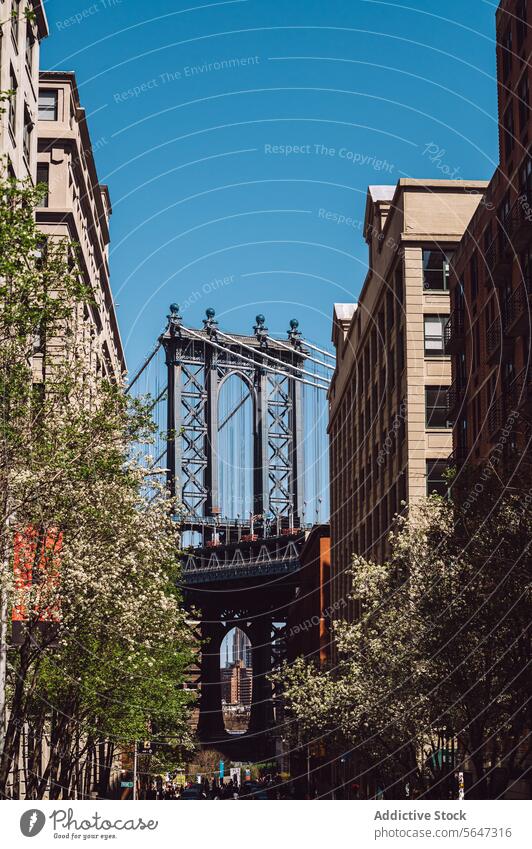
(241, 440)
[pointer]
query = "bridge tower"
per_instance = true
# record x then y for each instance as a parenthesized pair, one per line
(239, 570)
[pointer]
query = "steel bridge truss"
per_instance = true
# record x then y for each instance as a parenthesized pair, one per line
(198, 365)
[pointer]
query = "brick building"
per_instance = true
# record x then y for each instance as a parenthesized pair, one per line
(488, 334)
(309, 617)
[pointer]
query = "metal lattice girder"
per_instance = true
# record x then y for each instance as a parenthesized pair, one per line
(196, 371)
(281, 498)
(192, 432)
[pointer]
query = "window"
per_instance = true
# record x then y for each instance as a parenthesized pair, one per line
(507, 47)
(475, 358)
(462, 435)
(402, 492)
(399, 283)
(473, 276)
(523, 94)
(525, 177)
(488, 237)
(526, 269)
(390, 309)
(43, 176)
(509, 130)
(30, 41)
(436, 270)
(503, 214)
(13, 85)
(26, 136)
(15, 21)
(400, 355)
(436, 483)
(436, 407)
(434, 335)
(48, 105)
(391, 368)
(461, 369)
(520, 23)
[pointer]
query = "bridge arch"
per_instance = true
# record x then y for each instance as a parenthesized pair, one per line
(235, 424)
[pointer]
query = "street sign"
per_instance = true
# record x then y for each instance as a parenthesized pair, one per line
(126, 784)
(222, 769)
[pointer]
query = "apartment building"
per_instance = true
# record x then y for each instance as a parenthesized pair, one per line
(389, 431)
(78, 208)
(309, 615)
(20, 39)
(488, 334)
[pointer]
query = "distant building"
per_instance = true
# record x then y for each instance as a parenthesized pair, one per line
(237, 684)
(19, 73)
(77, 208)
(241, 647)
(309, 617)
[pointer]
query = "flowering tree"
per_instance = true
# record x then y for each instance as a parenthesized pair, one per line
(89, 574)
(434, 675)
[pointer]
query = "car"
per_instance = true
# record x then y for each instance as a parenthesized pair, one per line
(252, 790)
(192, 793)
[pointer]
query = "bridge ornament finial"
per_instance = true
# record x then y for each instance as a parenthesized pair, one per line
(261, 331)
(294, 334)
(210, 325)
(174, 320)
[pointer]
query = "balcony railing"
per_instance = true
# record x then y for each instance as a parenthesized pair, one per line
(498, 346)
(519, 393)
(498, 261)
(458, 457)
(520, 227)
(517, 308)
(454, 332)
(496, 418)
(455, 398)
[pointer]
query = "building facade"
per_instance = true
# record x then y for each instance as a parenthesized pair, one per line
(237, 684)
(389, 431)
(77, 208)
(488, 333)
(309, 617)
(20, 38)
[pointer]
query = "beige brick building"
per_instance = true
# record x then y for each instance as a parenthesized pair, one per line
(77, 207)
(19, 73)
(388, 428)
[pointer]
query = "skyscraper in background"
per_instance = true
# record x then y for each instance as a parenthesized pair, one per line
(241, 647)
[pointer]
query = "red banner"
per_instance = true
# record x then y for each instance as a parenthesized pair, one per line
(36, 569)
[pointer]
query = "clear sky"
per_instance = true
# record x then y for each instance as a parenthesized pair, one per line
(193, 108)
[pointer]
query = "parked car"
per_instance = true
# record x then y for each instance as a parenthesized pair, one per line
(253, 790)
(192, 793)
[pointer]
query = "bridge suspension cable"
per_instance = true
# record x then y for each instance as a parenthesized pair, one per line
(146, 363)
(323, 386)
(269, 357)
(319, 350)
(307, 356)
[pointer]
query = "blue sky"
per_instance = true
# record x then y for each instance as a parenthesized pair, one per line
(193, 107)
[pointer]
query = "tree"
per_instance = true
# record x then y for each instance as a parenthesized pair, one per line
(104, 645)
(434, 674)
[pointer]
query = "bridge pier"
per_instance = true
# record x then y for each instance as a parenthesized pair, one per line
(261, 716)
(211, 723)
